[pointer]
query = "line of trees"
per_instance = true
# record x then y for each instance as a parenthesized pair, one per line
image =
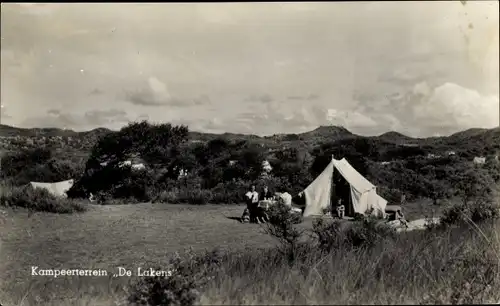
(221, 170)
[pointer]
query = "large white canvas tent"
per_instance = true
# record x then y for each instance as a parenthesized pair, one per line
(58, 189)
(363, 194)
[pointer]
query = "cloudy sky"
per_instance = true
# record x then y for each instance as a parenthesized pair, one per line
(421, 69)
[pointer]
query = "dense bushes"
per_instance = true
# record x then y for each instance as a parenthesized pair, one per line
(37, 200)
(37, 165)
(190, 273)
(222, 170)
(477, 205)
(446, 266)
(364, 233)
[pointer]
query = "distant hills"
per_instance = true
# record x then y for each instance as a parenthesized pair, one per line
(11, 131)
(490, 137)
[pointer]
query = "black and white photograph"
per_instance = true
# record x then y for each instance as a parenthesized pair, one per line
(250, 153)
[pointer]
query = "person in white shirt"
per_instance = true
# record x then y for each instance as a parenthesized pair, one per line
(252, 197)
(340, 209)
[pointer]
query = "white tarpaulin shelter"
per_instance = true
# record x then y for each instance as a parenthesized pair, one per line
(364, 197)
(58, 189)
(285, 198)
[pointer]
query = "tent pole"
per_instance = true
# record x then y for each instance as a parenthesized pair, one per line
(332, 189)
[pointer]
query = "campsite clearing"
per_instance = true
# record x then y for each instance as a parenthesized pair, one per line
(107, 237)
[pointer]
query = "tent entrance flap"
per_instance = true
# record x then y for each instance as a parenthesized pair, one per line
(318, 193)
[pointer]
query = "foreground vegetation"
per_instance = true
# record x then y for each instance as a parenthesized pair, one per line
(454, 266)
(327, 263)
(457, 262)
(37, 200)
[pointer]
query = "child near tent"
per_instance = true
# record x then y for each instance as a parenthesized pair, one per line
(340, 210)
(400, 216)
(245, 218)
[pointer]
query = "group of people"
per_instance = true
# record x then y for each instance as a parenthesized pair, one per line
(256, 214)
(253, 213)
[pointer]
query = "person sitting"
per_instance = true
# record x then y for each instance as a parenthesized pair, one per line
(261, 215)
(340, 210)
(400, 216)
(245, 218)
(266, 194)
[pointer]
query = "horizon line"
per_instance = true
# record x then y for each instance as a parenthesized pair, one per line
(244, 134)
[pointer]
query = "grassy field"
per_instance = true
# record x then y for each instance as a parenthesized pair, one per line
(106, 237)
(110, 236)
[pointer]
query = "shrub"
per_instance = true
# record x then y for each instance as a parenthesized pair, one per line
(190, 273)
(328, 234)
(281, 226)
(136, 185)
(230, 192)
(392, 195)
(454, 266)
(478, 209)
(185, 195)
(37, 165)
(37, 199)
(224, 196)
(368, 233)
(273, 183)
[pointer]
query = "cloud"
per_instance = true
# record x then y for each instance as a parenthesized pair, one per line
(265, 98)
(105, 117)
(96, 92)
(3, 113)
(214, 124)
(111, 118)
(310, 97)
(421, 111)
(157, 94)
(359, 57)
(142, 117)
(37, 8)
(154, 94)
(451, 107)
(351, 119)
(276, 117)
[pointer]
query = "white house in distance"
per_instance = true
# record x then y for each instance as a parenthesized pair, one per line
(432, 156)
(266, 166)
(182, 173)
(135, 164)
(479, 160)
(138, 167)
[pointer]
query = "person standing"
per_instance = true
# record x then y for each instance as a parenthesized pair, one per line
(402, 201)
(252, 199)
